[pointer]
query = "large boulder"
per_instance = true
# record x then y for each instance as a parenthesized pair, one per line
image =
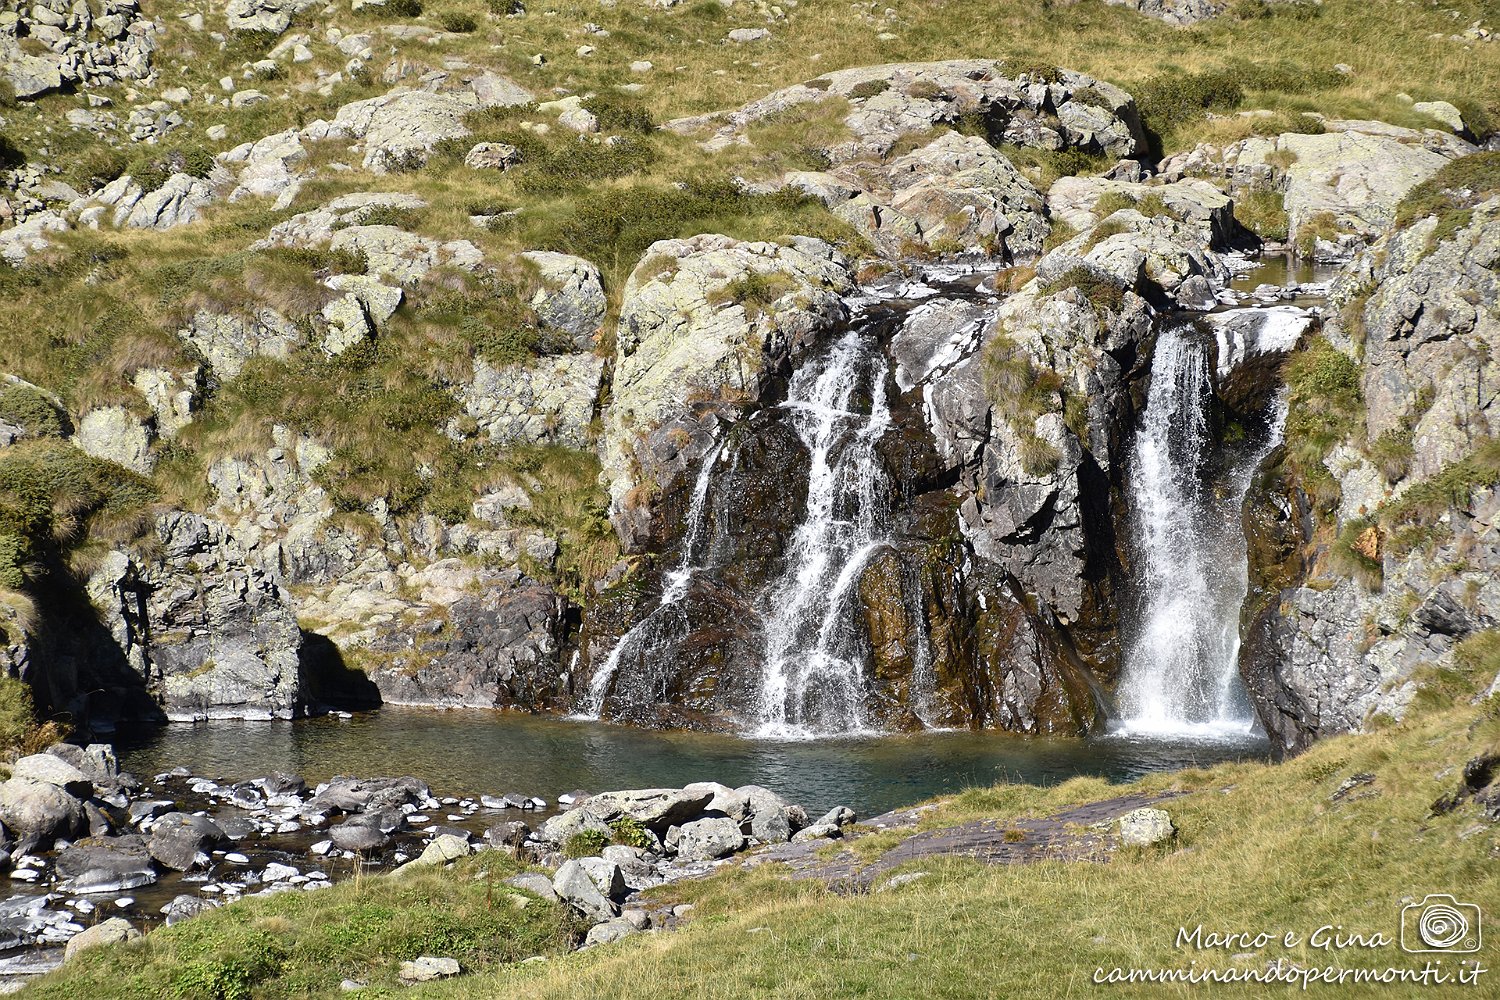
(181, 840)
(574, 887)
(212, 636)
(654, 808)
(115, 930)
(115, 434)
(706, 839)
(707, 320)
(228, 340)
(38, 812)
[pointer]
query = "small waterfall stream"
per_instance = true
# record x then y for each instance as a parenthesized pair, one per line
(1180, 676)
(814, 676)
(639, 640)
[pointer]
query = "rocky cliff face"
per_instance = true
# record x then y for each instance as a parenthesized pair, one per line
(1328, 651)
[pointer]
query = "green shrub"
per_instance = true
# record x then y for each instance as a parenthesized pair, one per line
(869, 88)
(1021, 391)
(618, 114)
(8, 94)
(31, 411)
(1415, 516)
(631, 833)
(1324, 407)
(402, 8)
(1392, 453)
(1169, 100)
(585, 844)
(1111, 202)
(458, 22)
(1287, 121)
(95, 166)
(1322, 226)
(1295, 10)
(1101, 291)
(503, 8)
(1356, 552)
(391, 215)
(1152, 205)
(1037, 72)
(152, 167)
(17, 713)
(1260, 211)
(1460, 184)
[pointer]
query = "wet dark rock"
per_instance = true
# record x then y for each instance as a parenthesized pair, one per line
(111, 864)
(180, 841)
(512, 834)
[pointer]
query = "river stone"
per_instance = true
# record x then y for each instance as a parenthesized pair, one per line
(359, 834)
(44, 767)
(574, 886)
(654, 808)
(1146, 827)
(609, 931)
(115, 930)
(106, 865)
(535, 883)
(38, 812)
(179, 840)
(512, 833)
(427, 968)
(580, 819)
(445, 848)
(185, 906)
(707, 839)
(607, 876)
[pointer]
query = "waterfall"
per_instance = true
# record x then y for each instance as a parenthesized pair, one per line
(814, 678)
(1180, 674)
(641, 637)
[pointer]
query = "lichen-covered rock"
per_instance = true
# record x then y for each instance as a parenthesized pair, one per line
(117, 435)
(177, 202)
(956, 191)
(228, 340)
(1190, 200)
(571, 299)
(1342, 185)
(549, 400)
(274, 16)
(708, 318)
(210, 636)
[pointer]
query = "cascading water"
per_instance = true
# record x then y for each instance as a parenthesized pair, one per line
(1180, 676)
(814, 668)
(640, 639)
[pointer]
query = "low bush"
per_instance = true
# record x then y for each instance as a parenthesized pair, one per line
(1324, 407)
(585, 844)
(1100, 289)
(458, 22)
(31, 411)
(1260, 211)
(1459, 185)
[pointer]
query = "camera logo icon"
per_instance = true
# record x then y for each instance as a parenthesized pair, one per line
(1440, 923)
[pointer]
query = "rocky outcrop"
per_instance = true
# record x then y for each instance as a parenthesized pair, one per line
(80, 45)
(1326, 652)
(954, 191)
(211, 636)
(1340, 188)
(548, 400)
(1178, 12)
(571, 300)
(705, 321)
(273, 16)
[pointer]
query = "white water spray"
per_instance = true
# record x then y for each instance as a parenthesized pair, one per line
(643, 633)
(813, 681)
(1181, 676)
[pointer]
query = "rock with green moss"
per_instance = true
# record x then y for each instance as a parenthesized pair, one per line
(548, 400)
(706, 321)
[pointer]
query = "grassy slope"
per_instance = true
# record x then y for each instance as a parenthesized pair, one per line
(1261, 847)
